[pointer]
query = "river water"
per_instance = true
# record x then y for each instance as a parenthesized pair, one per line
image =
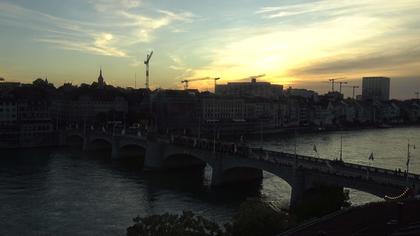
(67, 192)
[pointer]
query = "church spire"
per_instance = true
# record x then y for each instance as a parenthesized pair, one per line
(101, 82)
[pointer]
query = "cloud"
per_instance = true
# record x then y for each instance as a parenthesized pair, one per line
(378, 61)
(102, 45)
(335, 8)
(145, 26)
(111, 33)
(106, 5)
(341, 36)
(182, 16)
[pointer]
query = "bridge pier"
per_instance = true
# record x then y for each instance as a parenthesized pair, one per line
(61, 138)
(235, 175)
(216, 175)
(115, 152)
(154, 155)
(298, 188)
(85, 146)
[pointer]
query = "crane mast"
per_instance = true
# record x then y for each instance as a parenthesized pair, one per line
(354, 87)
(341, 84)
(333, 82)
(146, 62)
(354, 90)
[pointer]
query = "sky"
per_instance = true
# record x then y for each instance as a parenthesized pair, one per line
(296, 43)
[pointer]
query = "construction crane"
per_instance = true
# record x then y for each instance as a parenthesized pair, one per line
(341, 84)
(354, 89)
(254, 77)
(215, 83)
(146, 62)
(333, 82)
(186, 81)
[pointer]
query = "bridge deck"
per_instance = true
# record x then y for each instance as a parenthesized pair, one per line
(327, 166)
(335, 168)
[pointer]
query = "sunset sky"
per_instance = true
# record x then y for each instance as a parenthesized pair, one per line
(296, 43)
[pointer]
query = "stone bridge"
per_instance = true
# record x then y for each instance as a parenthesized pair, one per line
(231, 162)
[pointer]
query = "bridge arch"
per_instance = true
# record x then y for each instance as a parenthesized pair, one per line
(74, 140)
(242, 166)
(132, 150)
(180, 160)
(96, 144)
(172, 153)
(123, 143)
(361, 184)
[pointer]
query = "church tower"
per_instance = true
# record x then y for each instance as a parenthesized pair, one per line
(101, 82)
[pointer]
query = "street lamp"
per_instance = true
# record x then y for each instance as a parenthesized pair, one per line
(409, 146)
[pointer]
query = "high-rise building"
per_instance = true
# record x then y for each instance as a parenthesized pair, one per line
(375, 88)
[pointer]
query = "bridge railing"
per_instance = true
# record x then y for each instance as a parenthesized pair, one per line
(337, 163)
(275, 157)
(295, 161)
(243, 150)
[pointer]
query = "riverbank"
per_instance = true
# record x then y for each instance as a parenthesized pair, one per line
(285, 132)
(379, 218)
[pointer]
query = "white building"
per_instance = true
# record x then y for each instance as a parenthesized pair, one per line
(375, 88)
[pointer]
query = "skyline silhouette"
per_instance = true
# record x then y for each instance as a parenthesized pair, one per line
(299, 44)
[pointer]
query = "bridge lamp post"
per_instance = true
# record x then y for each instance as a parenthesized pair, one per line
(341, 148)
(295, 148)
(409, 146)
(261, 131)
(214, 135)
(114, 123)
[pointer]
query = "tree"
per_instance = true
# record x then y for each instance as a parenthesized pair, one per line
(257, 218)
(253, 218)
(186, 224)
(44, 84)
(320, 201)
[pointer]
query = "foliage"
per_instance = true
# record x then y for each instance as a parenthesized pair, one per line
(257, 218)
(44, 84)
(186, 224)
(320, 201)
(253, 218)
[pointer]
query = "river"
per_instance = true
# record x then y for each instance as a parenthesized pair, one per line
(68, 192)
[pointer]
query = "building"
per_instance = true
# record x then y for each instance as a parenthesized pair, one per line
(250, 89)
(375, 88)
(304, 93)
(8, 111)
(9, 85)
(35, 123)
(8, 122)
(96, 106)
(237, 116)
(222, 108)
(25, 119)
(175, 111)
